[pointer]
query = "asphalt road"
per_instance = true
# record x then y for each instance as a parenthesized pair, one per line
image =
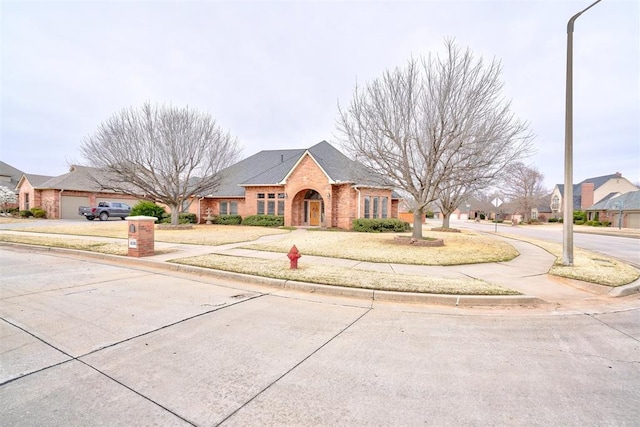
(88, 343)
(623, 248)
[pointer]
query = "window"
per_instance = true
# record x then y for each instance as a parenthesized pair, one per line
(555, 203)
(260, 203)
(376, 201)
(224, 208)
(367, 206)
(26, 201)
(274, 203)
(233, 208)
(385, 202)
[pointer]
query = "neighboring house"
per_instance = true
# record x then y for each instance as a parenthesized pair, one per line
(590, 191)
(621, 210)
(542, 209)
(318, 186)
(61, 196)
(9, 177)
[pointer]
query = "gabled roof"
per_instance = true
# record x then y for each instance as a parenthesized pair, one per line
(598, 181)
(36, 180)
(272, 167)
(543, 205)
(615, 201)
(9, 176)
(79, 178)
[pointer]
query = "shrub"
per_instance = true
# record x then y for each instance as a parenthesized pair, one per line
(146, 208)
(579, 222)
(264, 220)
(187, 218)
(227, 219)
(429, 214)
(594, 223)
(553, 219)
(606, 223)
(579, 216)
(482, 216)
(389, 225)
(39, 213)
(25, 214)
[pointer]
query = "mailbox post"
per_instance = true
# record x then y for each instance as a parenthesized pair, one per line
(141, 238)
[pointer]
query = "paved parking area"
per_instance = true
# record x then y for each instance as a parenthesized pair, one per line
(84, 342)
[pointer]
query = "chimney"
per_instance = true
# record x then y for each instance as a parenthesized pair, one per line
(586, 199)
(281, 158)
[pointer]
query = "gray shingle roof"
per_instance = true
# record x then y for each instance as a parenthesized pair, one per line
(271, 167)
(630, 201)
(10, 176)
(37, 180)
(79, 178)
(597, 182)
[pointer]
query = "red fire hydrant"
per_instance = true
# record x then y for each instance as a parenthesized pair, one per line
(293, 256)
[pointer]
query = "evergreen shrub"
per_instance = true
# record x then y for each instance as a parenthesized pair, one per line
(263, 220)
(388, 225)
(147, 208)
(227, 219)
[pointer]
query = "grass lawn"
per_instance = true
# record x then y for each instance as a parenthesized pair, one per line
(587, 266)
(340, 276)
(460, 248)
(212, 235)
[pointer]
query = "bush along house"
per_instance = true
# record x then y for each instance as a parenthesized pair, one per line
(315, 187)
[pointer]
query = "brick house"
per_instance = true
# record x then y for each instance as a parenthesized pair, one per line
(591, 191)
(61, 196)
(621, 210)
(318, 186)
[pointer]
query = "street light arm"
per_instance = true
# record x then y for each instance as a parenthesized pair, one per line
(577, 15)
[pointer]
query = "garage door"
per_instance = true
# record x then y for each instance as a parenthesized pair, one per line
(633, 220)
(70, 204)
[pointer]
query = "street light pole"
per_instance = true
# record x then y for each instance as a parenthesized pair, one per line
(567, 201)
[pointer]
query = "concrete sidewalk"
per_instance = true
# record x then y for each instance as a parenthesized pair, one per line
(526, 273)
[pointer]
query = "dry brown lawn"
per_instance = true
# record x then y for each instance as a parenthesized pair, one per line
(341, 276)
(67, 243)
(587, 266)
(460, 248)
(212, 235)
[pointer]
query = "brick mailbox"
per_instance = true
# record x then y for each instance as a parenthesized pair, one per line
(141, 237)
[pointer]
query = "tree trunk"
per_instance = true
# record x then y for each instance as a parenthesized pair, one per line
(445, 220)
(175, 212)
(417, 224)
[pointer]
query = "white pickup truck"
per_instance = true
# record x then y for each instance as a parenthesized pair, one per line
(104, 210)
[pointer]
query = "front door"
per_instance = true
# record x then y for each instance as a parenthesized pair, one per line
(314, 213)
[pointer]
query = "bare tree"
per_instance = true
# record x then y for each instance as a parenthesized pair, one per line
(162, 153)
(451, 200)
(523, 185)
(434, 125)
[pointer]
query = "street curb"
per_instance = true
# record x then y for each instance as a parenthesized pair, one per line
(623, 291)
(331, 290)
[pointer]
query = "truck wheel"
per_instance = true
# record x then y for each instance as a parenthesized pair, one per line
(90, 218)
(122, 218)
(104, 216)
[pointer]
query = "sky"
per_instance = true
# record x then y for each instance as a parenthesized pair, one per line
(274, 72)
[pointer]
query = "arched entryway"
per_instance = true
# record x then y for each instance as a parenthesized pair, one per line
(308, 209)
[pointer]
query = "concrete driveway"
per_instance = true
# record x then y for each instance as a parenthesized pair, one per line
(91, 343)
